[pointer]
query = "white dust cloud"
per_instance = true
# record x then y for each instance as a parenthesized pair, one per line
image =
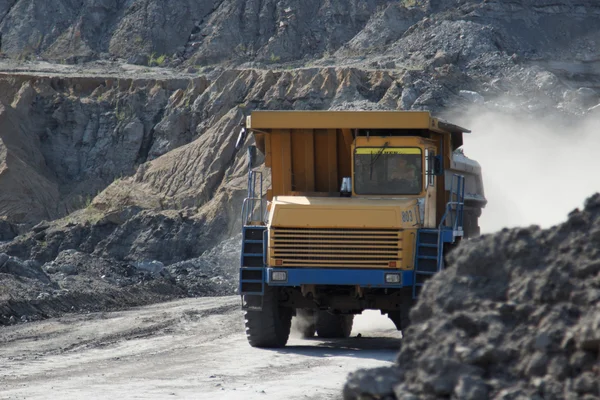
(367, 322)
(299, 324)
(534, 172)
(371, 321)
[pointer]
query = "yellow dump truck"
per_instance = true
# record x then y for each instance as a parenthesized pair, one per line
(361, 209)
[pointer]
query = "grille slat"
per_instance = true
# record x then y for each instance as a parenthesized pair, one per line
(347, 254)
(325, 234)
(341, 245)
(299, 247)
(338, 263)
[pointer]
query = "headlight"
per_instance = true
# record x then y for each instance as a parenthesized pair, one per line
(392, 278)
(280, 276)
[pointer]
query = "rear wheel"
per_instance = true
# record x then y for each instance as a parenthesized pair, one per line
(334, 325)
(401, 317)
(269, 327)
(471, 224)
(306, 322)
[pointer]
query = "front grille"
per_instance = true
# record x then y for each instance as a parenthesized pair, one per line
(305, 247)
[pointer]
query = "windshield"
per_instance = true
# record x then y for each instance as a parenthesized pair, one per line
(388, 170)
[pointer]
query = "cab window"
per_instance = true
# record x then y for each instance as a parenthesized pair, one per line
(388, 170)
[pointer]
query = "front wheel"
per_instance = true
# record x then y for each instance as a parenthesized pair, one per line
(269, 327)
(331, 326)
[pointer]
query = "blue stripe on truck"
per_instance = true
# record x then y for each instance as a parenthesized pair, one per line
(339, 276)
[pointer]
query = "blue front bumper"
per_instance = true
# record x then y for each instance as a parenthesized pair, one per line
(374, 278)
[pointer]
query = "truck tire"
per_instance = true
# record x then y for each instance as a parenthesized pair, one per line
(401, 317)
(331, 326)
(471, 223)
(306, 322)
(270, 327)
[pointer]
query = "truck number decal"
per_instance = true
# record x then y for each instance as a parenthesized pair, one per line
(407, 216)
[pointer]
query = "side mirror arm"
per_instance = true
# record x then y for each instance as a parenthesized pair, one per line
(241, 138)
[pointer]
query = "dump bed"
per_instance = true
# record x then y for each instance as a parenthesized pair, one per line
(310, 151)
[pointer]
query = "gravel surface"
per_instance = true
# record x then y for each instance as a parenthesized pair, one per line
(190, 349)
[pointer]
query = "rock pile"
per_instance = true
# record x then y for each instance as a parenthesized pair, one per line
(515, 316)
(78, 282)
(214, 273)
(7, 230)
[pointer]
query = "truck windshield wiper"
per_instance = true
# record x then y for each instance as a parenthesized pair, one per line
(374, 160)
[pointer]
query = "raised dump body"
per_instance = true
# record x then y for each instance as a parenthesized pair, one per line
(362, 208)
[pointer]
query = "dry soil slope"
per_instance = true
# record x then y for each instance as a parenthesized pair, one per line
(29, 191)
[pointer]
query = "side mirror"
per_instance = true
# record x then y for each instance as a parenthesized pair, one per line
(346, 189)
(251, 156)
(438, 166)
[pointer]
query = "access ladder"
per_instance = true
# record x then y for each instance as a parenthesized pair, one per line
(429, 255)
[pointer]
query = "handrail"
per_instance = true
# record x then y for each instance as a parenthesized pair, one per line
(456, 205)
(248, 211)
(253, 200)
(265, 248)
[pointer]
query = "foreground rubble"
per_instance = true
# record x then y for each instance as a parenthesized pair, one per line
(515, 316)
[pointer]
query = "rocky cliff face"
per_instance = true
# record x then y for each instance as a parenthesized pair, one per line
(209, 32)
(206, 32)
(64, 140)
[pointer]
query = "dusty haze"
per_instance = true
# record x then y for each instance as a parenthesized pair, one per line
(534, 171)
(370, 321)
(367, 322)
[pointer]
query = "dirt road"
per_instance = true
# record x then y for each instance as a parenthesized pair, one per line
(193, 348)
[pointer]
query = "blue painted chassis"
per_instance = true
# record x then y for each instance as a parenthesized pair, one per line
(368, 278)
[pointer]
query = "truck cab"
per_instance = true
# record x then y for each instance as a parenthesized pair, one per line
(362, 208)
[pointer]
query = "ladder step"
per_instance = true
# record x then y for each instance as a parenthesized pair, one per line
(427, 257)
(252, 255)
(252, 241)
(253, 293)
(425, 272)
(251, 281)
(428, 245)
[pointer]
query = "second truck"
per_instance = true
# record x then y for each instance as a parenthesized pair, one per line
(362, 208)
